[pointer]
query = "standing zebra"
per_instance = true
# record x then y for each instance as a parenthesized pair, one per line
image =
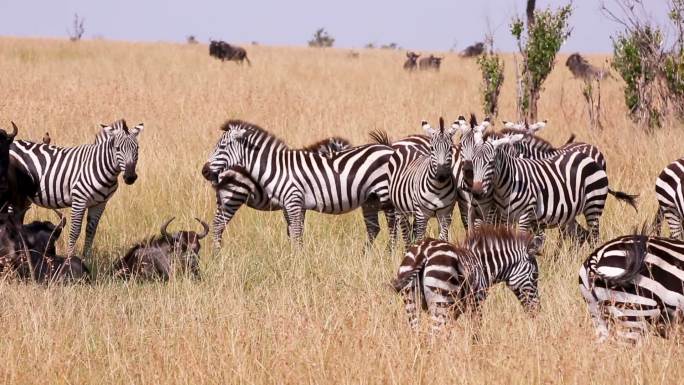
(541, 192)
(422, 185)
(300, 180)
(635, 281)
(457, 278)
(670, 194)
(235, 187)
(82, 177)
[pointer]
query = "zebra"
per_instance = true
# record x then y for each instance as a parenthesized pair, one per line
(300, 180)
(635, 281)
(236, 187)
(670, 196)
(541, 192)
(81, 177)
(422, 184)
(452, 278)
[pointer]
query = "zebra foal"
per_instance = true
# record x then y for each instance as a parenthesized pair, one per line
(451, 279)
(632, 284)
(83, 177)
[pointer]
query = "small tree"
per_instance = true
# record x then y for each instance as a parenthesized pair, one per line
(321, 39)
(653, 76)
(77, 31)
(491, 67)
(546, 32)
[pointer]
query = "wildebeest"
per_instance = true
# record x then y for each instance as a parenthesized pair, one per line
(15, 184)
(411, 61)
(46, 138)
(11, 245)
(5, 143)
(160, 256)
(473, 50)
(430, 63)
(224, 51)
(581, 68)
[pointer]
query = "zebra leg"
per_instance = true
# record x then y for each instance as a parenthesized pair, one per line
(419, 226)
(294, 212)
(391, 217)
(403, 223)
(77, 212)
(221, 219)
(370, 217)
(410, 295)
(94, 215)
(439, 307)
(595, 311)
(444, 219)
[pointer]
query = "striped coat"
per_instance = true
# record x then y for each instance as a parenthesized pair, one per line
(670, 194)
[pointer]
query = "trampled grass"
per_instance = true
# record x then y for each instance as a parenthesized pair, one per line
(264, 313)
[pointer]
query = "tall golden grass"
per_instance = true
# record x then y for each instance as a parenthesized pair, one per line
(264, 313)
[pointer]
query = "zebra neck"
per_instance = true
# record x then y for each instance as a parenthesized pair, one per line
(495, 266)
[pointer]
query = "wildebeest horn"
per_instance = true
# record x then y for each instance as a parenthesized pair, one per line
(164, 226)
(206, 229)
(62, 220)
(15, 130)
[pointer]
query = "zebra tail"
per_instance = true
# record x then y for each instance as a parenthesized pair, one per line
(570, 139)
(623, 196)
(657, 225)
(380, 137)
(409, 278)
(635, 262)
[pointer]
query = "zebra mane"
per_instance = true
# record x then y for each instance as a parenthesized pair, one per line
(489, 234)
(334, 140)
(380, 137)
(121, 123)
(253, 128)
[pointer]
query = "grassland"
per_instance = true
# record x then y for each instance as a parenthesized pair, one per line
(265, 313)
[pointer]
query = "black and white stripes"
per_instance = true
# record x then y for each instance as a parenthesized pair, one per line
(82, 177)
(670, 194)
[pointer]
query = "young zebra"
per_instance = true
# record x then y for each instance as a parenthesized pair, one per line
(634, 281)
(454, 278)
(422, 185)
(300, 180)
(82, 177)
(236, 187)
(670, 196)
(541, 192)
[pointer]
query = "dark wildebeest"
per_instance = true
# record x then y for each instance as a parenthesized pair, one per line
(11, 244)
(473, 50)
(411, 61)
(46, 266)
(5, 144)
(430, 63)
(15, 184)
(158, 257)
(581, 68)
(224, 51)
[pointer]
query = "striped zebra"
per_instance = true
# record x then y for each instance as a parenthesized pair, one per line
(670, 196)
(452, 279)
(300, 180)
(422, 184)
(82, 177)
(236, 187)
(634, 282)
(541, 192)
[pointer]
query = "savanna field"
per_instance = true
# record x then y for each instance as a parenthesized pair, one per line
(265, 312)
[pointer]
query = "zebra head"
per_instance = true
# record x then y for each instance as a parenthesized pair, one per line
(227, 152)
(5, 143)
(470, 134)
(124, 142)
(440, 149)
(523, 276)
(485, 165)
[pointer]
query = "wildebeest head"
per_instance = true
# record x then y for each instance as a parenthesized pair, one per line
(125, 144)
(11, 243)
(184, 241)
(41, 236)
(5, 143)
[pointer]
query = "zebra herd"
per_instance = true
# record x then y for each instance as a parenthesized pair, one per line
(497, 179)
(509, 186)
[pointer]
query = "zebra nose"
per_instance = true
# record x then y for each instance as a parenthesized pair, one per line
(208, 174)
(477, 188)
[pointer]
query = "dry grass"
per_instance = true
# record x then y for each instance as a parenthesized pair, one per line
(264, 313)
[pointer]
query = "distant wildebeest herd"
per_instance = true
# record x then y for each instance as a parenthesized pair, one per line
(510, 187)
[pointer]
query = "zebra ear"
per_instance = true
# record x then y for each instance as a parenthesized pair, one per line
(135, 131)
(536, 244)
(109, 130)
(537, 126)
(237, 133)
(426, 126)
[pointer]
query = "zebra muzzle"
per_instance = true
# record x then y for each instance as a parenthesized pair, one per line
(208, 174)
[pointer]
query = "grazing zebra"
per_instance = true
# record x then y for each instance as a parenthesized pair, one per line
(541, 192)
(670, 196)
(454, 278)
(300, 180)
(634, 281)
(422, 185)
(82, 177)
(236, 187)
